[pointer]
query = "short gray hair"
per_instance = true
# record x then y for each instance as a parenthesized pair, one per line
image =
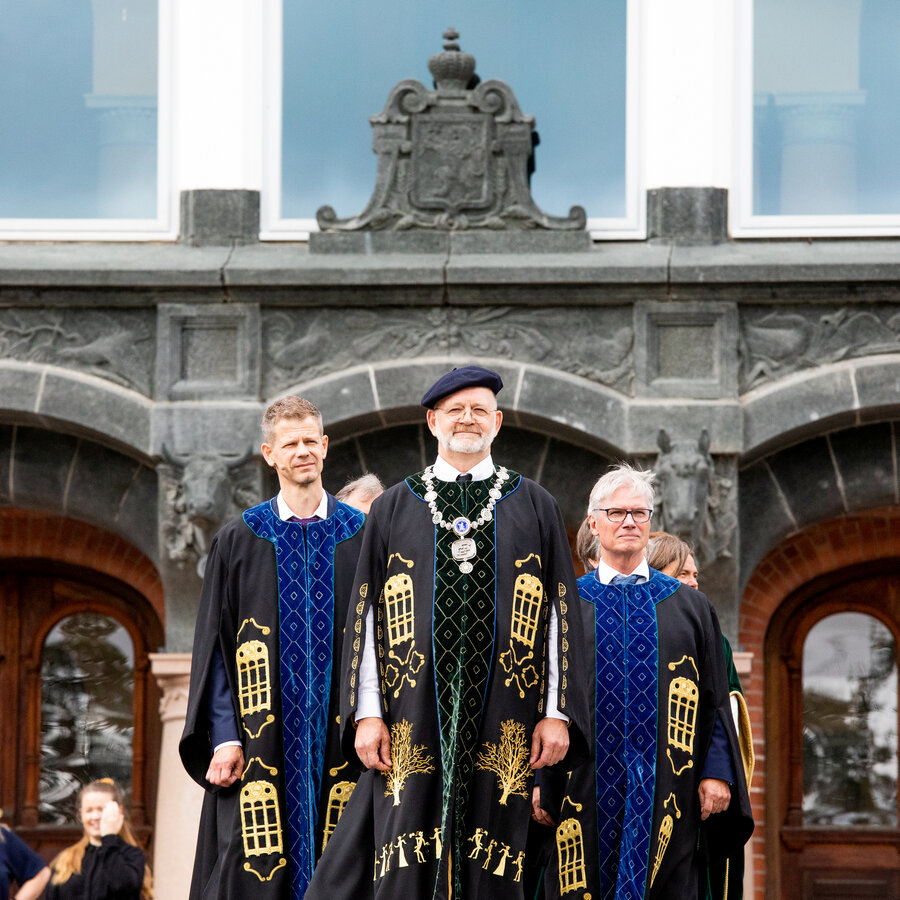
(368, 486)
(619, 476)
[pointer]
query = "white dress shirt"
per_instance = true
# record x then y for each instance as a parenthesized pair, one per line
(605, 573)
(369, 692)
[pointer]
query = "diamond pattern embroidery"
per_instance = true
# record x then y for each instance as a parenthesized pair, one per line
(305, 559)
(463, 640)
(626, 701)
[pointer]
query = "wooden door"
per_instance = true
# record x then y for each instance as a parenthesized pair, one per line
(832, 664)
(51, 620)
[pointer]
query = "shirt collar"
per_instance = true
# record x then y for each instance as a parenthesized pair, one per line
(605, 573)
(443, 471)
(285, 512)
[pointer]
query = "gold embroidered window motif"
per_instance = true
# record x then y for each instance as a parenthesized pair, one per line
(682, 713)
(260, 819)
(254, 690)
(527, 596)
(398, 600)
(570, 845)
(337, 800)
(665, 835)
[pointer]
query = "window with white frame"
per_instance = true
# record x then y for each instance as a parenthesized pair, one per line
(569, 68)
(823, 116)
(79, 103)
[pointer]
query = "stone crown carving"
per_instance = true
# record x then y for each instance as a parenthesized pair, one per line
(456, 157)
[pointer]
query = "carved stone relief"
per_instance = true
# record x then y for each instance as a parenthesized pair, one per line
(452, 158)
(200, 493)
(696, 497)
(776, 342)
(117, 345)
(299, 345)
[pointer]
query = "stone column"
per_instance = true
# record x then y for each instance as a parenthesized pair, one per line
(178, 798)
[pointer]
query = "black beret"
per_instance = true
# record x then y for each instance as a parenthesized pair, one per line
(463, 377)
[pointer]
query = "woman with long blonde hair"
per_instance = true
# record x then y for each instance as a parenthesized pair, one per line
(107, 863)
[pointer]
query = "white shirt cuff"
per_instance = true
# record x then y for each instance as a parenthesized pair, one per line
(369, 705)
(218, 747)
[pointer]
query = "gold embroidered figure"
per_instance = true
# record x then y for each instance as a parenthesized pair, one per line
(508, 760)
(570, 847)
(260, 819)
(337, 800)
(436, 837)
(254, 689)
(398, 601)
(476, 839)
(528, 596)
(662, 842)
(489, 851)
(401, 856)
(505, 854)
(519, 863)
(683, 695)
(406, 759)
(421, 845)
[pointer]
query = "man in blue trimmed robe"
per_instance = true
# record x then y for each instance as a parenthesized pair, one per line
(667, 761)
(261, 732)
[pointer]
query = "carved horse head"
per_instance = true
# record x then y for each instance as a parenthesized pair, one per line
(684, 470)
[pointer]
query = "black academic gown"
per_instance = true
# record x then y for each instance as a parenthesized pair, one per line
(463, 666)
(274, 600)
(629, 823)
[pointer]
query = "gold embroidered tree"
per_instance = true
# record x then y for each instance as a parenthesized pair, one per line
(406, 759)
(508, 760)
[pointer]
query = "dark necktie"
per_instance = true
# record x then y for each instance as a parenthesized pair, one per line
(305, 521)
(625, 579)
(464, 479)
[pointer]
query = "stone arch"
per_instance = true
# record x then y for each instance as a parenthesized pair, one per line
(77, 478)
(34, 535)
(78, 404)
(832, 475)
(823, 399)
(368, 397)
(817, 550)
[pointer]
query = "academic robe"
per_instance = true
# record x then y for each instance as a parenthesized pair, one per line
(462, 665)
(722, 878)
(630, 819)
(274, 601)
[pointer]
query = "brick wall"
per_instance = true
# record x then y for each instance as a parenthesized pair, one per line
(815, 551)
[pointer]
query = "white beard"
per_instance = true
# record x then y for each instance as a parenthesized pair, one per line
(465, 443)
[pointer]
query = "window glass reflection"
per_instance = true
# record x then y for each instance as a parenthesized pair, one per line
(87, 724)
(78, 101)
(826, 84)
(566, 67)
(850, 723)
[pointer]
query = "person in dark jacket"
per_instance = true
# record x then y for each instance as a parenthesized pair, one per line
(19, 863)
(107, 863)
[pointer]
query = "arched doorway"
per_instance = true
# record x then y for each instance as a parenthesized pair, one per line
(832, 726)
(75, 633)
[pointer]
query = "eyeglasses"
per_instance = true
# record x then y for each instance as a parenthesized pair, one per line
(478, 413)
(617, 516)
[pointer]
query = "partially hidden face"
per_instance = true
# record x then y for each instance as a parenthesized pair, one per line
(467, 421)
(686, 573)
(626, 536)
(297, 451)
(92, 805)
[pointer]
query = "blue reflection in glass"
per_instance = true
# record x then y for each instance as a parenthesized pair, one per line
(564, 61)
(78, 102)
(826, 119)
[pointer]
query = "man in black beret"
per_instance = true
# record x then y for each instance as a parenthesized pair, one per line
(467, 670)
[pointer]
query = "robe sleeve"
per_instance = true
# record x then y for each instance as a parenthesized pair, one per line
(574, 639)
(367, 587)
(726, 832)
(196, 745)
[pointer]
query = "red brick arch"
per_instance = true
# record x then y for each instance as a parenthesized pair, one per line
(815, 551)
(28, 534)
